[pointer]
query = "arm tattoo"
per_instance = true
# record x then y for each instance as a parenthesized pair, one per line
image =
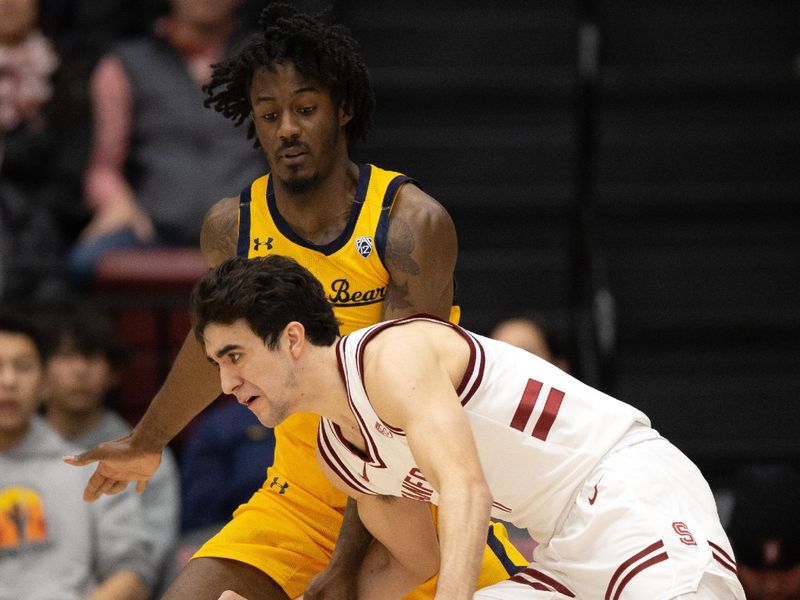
(396, 297)
(400, 245)
(220, 232)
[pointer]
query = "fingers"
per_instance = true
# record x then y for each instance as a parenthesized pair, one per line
(82, 459)
(100, 484)
(141, 486)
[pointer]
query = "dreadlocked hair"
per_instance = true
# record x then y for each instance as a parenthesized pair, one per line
(319, 52)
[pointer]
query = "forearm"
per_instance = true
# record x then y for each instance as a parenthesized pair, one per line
(191, 385)
(123, 585)
(353, 540)
(463, 518)
(382, 576)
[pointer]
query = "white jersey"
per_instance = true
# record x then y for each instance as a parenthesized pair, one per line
(539, 432)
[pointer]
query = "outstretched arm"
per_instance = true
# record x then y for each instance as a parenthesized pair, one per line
(191, 385)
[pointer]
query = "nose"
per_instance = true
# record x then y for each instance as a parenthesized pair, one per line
(8, 376)
(229, 380)
(288, 128)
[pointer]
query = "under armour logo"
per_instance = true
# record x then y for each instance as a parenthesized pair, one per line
(257, 243)
(275, 483)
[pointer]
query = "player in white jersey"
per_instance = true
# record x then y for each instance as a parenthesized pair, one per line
(420, 409)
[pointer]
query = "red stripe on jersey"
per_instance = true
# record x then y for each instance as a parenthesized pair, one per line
(549, 581)
(525, 408)
(548, 416)
(722, 557)
(722, 552)
(478, 377)
(336, 465)
(468, 370)
(633, 559)
(722, 561)
(534, 584)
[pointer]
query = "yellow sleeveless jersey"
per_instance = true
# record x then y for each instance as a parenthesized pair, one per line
(355, 280)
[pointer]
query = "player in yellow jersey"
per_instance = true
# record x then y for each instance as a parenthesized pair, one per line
(383, 249)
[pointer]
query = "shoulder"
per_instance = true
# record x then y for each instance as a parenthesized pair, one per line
(220, 231)
(420, 235)
(413, 205)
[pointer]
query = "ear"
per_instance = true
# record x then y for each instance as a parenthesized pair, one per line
(345, 115)
(295, 335)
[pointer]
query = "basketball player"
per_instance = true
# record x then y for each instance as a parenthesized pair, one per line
(420, 409)
(383, 248)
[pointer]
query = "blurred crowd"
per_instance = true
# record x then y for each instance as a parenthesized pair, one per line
(105, 144)
(104, 140)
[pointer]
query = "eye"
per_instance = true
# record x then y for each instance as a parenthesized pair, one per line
(234, 356)
(269, 117)
(307, 110)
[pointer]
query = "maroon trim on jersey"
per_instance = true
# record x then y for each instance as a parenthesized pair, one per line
(722, 557)
(328, 453)
(501, 507)
(525, 408)
(548, 416)
(370, 454)
(541, 582)
(638, 568)
(477, 355)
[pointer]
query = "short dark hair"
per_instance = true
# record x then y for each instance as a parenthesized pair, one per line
(88, 330)
(320, 52)
(18, 324)
(268, 293)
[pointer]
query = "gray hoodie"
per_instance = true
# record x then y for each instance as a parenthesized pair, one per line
(53, 545)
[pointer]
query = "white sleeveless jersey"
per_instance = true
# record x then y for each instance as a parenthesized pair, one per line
(538, 431)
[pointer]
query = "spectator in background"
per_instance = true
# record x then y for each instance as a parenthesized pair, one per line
(52, 544)
(228, 444)
(534, 334)
(159, 158)
(43, 115)
(764, 530)
(79, 375)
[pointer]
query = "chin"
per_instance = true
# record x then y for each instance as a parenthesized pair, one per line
(298, 184)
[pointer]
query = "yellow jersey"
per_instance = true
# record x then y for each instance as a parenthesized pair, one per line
(355, 280)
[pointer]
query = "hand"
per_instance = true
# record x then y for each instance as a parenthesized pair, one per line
(230, 595)
(333, 584)
(117, 214)
(119, 462)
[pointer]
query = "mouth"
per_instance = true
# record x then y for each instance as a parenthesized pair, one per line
(293, 155)
(248, 401)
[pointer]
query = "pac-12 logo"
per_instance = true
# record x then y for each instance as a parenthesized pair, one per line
(364, 245)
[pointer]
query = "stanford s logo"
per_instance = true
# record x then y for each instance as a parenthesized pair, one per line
(684, 534)
(257, 243)
(364, 245)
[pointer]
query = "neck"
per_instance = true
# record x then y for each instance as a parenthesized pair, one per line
(330, 403)
(11, 439)
(321, 213)
(72, 424)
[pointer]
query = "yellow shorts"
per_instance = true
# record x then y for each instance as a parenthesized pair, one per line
(291, 537)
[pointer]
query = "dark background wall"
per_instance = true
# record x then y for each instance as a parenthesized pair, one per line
(675, 164)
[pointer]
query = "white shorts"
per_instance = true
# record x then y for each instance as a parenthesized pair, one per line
(644, 526)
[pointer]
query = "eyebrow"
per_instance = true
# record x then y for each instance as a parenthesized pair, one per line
(227, 348)
(308, 88)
